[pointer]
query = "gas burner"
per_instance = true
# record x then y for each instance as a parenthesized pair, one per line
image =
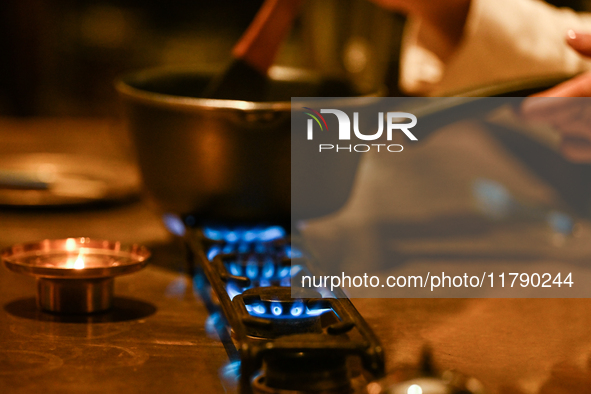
(303, 342)
(255, 270)
(270, 312)
(303, 373)
(244, 235)
(252, 258)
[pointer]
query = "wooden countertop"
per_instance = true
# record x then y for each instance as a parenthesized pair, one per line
(155, 339)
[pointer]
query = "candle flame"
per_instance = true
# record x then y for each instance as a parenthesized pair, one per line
(79, 263)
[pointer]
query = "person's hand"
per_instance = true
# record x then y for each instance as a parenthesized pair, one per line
(567, 107)
(444, 20)
(579, 86)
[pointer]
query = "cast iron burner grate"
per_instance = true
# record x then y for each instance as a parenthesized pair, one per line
(316, 342)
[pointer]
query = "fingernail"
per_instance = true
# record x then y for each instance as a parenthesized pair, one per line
(571, 34)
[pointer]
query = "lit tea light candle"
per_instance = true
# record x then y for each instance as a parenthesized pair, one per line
(75, 261)
(79, 263)
(75, 275)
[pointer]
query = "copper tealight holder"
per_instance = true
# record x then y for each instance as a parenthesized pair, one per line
(75, 275)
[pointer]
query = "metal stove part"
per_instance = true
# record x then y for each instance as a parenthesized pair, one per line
(270, 312)
(253, 270)
(75, 275)
(303, 373)
(307, 343)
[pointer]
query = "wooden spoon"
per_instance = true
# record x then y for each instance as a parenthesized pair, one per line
(246, 77)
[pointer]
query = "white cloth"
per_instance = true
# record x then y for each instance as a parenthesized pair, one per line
(503, 40)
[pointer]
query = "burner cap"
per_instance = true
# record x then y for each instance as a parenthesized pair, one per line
(270, 312)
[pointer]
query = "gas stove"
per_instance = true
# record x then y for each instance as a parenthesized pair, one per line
(284, 340)
(315, 342)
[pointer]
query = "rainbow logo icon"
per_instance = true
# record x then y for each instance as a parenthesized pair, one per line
(315, 117)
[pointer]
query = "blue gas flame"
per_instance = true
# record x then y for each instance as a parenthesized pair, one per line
(252, 252)
(174, 224)
(283, 310)
(251, 235)
(297, 309)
